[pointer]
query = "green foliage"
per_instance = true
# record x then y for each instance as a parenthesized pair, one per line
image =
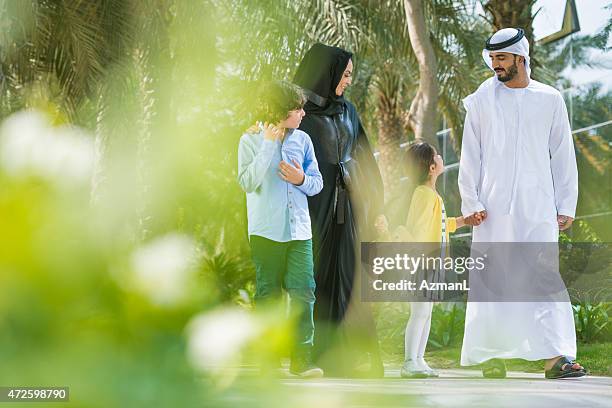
(592, 321)
(391, 319)
(447, 326)
(233, 275)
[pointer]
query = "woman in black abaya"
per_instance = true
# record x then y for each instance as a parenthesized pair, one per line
(342, 215)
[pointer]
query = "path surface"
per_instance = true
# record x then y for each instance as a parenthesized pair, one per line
(462, 388)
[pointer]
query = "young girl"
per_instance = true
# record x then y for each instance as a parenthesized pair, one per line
(426, 222)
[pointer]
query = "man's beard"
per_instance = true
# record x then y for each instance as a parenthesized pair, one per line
(512, 71)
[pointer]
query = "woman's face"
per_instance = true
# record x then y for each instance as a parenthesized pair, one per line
(347, 78)
(294, 119)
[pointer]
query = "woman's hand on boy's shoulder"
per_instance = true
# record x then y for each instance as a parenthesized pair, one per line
(272, 132)
(381, 225)
(254, 129)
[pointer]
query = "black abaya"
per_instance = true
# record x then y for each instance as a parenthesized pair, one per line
(342, 216)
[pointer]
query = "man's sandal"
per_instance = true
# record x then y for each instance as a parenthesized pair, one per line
(494, 368)
(564, 368)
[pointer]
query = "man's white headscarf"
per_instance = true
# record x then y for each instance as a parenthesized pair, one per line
(510, 40)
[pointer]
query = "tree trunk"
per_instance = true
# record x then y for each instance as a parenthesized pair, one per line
(422, 114)
(390, 130)
(515, 14)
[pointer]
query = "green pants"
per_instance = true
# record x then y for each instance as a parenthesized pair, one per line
(287, 265)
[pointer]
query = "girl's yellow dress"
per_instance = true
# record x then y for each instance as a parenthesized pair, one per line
(424, 221)
(427, 222)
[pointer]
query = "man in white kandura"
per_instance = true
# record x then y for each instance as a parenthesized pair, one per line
(518, 177)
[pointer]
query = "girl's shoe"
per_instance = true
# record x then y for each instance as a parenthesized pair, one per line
(425, 367)
(411, 369)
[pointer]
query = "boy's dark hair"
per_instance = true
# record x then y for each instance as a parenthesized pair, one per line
(420, 158)
(277, 99)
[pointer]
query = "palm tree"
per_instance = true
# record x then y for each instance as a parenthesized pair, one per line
(440, 41)
(113, 50)
(65, 47)
(422, 113)
(57, 56)
(108, 66)
(511, 13)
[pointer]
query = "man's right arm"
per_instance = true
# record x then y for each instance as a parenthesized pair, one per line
(470, 166)
(253, 162)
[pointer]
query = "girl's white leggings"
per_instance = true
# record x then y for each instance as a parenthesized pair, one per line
(417, 330)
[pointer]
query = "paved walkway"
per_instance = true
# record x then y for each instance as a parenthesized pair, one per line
(458, 388)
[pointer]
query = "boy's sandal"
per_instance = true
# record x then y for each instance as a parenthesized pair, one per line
(494, 368)
(564, 368)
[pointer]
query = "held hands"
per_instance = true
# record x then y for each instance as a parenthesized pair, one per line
(564, 222)
(291, 174)
(381, 225)
(475, 219)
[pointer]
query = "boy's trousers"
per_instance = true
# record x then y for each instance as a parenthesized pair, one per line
(287, 265)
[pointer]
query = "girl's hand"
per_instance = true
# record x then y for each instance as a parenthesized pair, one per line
(381, 225)
(460, 222)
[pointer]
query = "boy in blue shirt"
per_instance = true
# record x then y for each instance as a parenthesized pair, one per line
(277, 169)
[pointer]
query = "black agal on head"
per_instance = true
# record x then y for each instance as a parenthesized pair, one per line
(498, 46)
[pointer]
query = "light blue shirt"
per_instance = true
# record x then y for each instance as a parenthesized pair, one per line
(276, 209)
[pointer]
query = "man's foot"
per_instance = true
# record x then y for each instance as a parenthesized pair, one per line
(421, 363)
(563, 367)
(302, 366)
(411, 369)
(494, 368)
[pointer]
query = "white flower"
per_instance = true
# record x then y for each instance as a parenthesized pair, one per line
(29, 145)
(163, 267)
(216, 339)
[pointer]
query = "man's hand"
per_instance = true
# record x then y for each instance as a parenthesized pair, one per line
(564, 222)
(291, 174)
(272, 132)
(475, 219)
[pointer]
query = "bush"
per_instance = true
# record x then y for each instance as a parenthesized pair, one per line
(591, 321)
(447, 325)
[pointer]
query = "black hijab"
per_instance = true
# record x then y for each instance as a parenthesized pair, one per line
(319, 73)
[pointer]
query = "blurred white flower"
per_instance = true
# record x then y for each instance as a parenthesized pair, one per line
(30, 145)
(216, 339)
(163, 268)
